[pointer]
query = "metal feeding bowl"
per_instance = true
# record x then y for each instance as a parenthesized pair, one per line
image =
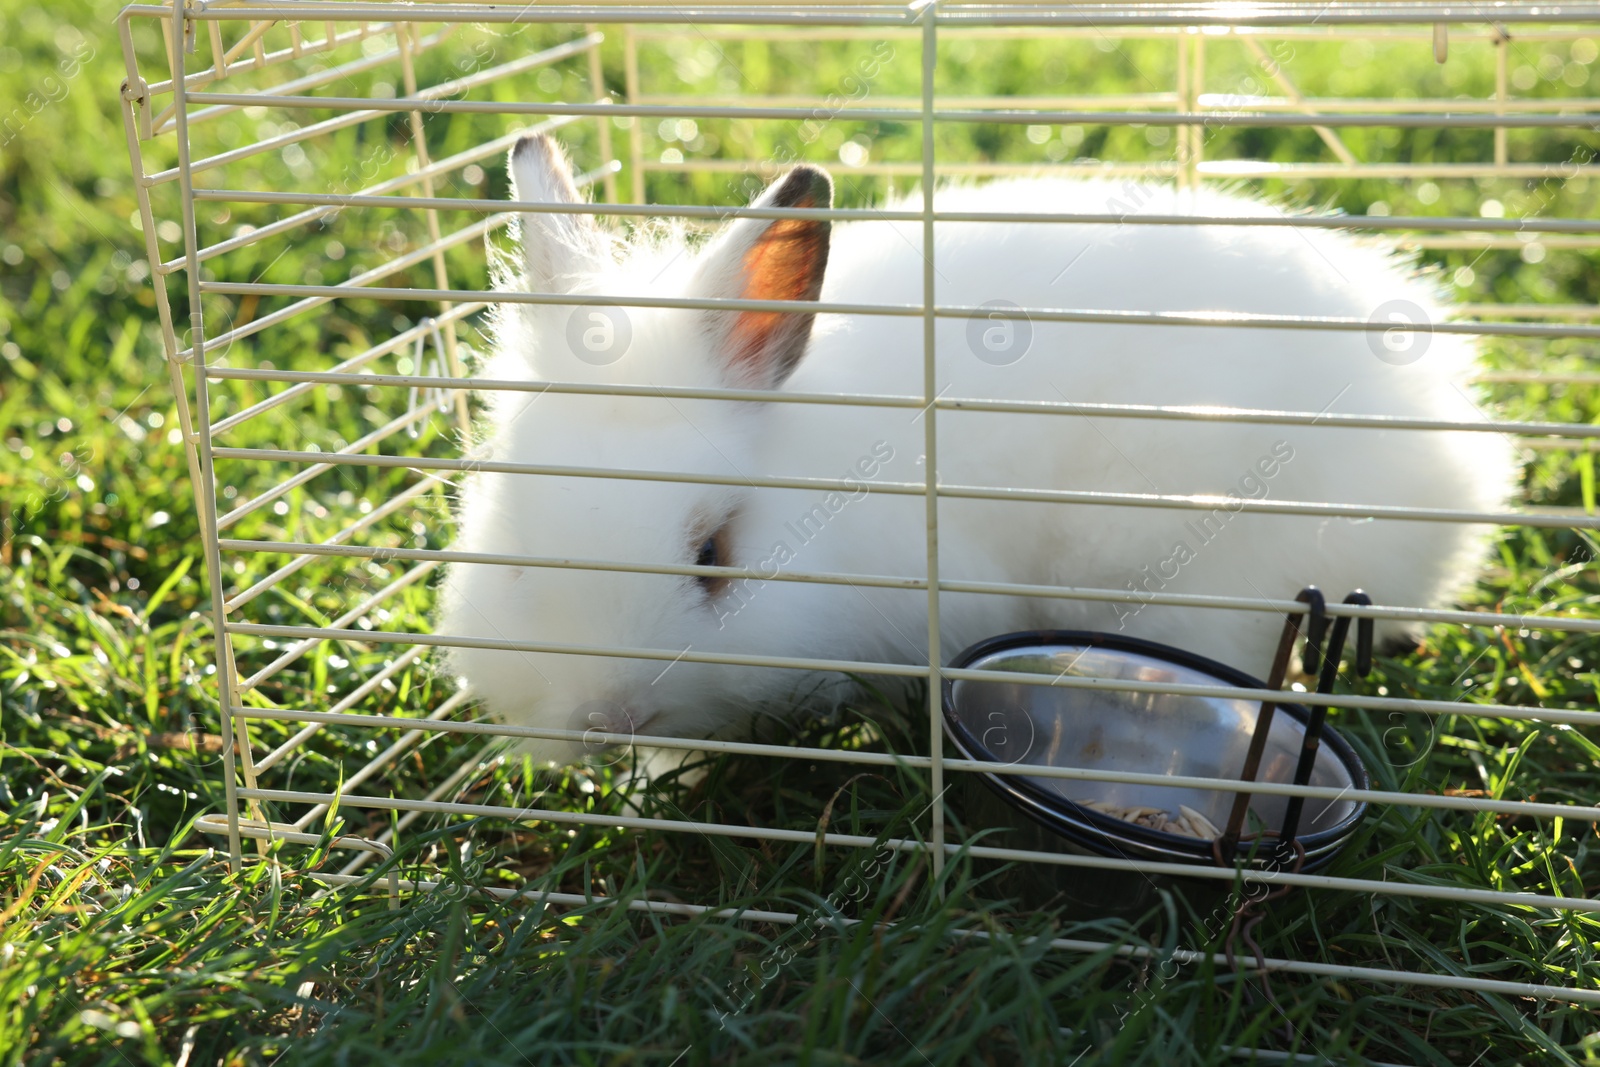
(1147, 733)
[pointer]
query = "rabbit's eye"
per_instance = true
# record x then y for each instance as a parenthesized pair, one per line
(713, 552)
(708, 554)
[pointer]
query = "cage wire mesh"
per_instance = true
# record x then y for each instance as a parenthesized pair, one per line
(236, 113)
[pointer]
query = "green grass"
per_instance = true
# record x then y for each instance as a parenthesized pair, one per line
(125, 939)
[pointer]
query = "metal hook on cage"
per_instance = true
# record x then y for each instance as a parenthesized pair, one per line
(1316, 627)
(436, 395)
(1316, 623)
(1249, 911)
(1312, 741)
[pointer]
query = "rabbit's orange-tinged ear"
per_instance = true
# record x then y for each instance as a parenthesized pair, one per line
(769, 259)
(556, 248)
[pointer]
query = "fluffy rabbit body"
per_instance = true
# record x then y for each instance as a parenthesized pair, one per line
(1223, 549)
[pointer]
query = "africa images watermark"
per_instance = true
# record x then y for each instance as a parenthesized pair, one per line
(1211, 928)
(856, 86)
(1135, 194)
(357, 177)
(804, 528)
(1403, 329)
(742, 992)
(854, 888)
(33, 498)
(51, 89)
(1153, 578)
(600, 336)
(1002, 333)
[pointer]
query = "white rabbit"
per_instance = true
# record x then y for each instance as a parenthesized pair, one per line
(1272, 270)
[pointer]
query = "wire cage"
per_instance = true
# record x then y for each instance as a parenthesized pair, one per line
(232, 107)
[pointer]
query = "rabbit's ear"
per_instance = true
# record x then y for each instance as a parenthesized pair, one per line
(556, 248)
(768, 259)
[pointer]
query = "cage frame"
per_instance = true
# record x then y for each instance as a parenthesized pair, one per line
(192, 24)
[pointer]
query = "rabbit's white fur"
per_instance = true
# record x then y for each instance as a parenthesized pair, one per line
(1173, 268)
